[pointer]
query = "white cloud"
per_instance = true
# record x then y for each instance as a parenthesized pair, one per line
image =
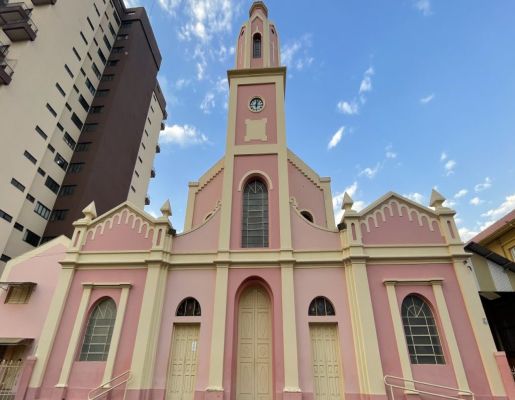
(449, 203)
(370, 172)
(336, 138)
(348, 108)
(182, 83)
(296, 54)
(475, 201)
(389, 152)
(169, 5)
(424, 6)
(443, 156)
(503, 209)
(208, 103)
(484, 185)
(466, 234)
(338, 199)
(183, 135)
(415, 196)
(449, 167)
(366, 83)
(222, 85)
(461, 193)
(427, 99)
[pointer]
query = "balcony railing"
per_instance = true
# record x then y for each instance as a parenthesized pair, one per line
(15, 21)
(10, 372)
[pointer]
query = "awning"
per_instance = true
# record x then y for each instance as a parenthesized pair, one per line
(490, 255)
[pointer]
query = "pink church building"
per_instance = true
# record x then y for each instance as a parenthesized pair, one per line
(262, 297)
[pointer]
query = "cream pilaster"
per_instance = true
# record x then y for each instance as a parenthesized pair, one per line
(398, 328)
(364, 329)
(145, 346)
(216, 359)
(75, 337)
(117, 330)
(49, 331)
(291, 365)
(443, 312)
(481, 330)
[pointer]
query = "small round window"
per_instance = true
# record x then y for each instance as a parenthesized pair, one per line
(307, 215)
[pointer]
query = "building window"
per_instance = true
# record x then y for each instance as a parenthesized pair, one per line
(102, 93)
(83, 146)
(4, 258)
(68, 107)
(59, 126)
(320, 307)
(307, 215)
(111, 29)
(59, 160)
(5, 216)
(107, 78)
(90, 127)
(106, 42)
(42, 211)
(69, 140)
(189, 307)
(18, 226)
(421, 332)
(90, 24)
(96, 109)
(96, 71)
(51, 148)
(255, 215)
(60, 89)
(31, 238)
(117, 50)
(98, 333)
(68, 70)
(76, 53)
(76, 121)
(30, 198)
(256, 46)
(67, 190)
(51, 110)
(96, 9)
(75, 168)
(84, 103)
(112, 63)
(40, 131)
(83, 38)
(17, 185)
(41, 172)
(19, 293)
(102, 57)
(58, 215)
(90, 86)
(52, 185)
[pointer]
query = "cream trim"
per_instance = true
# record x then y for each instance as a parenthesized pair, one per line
(256, 172)
(117, 330)
(216, 357)
(75, 337)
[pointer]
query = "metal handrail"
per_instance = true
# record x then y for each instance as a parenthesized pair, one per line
(109, 388)
(461, 393)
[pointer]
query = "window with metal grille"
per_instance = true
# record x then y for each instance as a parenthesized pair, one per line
(97, 337)
(256, 46)
(255, 215)
(188, 307)
(421, 332)
(321, 306)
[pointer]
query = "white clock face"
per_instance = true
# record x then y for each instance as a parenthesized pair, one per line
(256, 104)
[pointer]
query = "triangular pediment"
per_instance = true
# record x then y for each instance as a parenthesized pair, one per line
(395, 197)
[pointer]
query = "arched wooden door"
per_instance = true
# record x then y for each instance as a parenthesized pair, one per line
(254, 371)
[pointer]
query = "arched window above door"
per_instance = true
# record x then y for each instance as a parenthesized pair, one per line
(321, 306)
(189, 307)
(255, 215)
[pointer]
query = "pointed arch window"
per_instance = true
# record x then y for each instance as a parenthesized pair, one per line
(256, 46)
(189, 307)
(320, 307)
(421, 333)
(97, 337)
(255, 215)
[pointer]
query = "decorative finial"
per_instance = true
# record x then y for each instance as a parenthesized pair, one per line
(166, 209)
(347, 202)
(258, 4)
(436, 200)
(90, 212)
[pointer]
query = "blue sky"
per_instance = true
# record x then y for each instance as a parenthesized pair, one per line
(402, 95)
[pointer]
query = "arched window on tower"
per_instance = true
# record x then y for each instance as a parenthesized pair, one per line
(320, 307)
(421, 332)
(99, 330)
(189, 307)
(256, 46)
(255, 215)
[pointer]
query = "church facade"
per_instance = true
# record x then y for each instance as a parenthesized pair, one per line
(262, 297)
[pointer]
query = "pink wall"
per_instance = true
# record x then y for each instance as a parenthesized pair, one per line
(121, 236)
(202, 239)
(257, 26)
(328, 282)
(87, 371)
(244, 95)
(239, 279)
(240, 59)
(308, 195)
(206, 199)
(306, 236)
(26, 320)
(274, 47)
(439, 374)
(242, 165)
(398, 229)
(200, 284)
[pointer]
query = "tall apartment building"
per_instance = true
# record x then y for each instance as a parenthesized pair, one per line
(80, 114)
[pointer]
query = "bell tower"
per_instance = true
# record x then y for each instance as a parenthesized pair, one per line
(256, 136)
